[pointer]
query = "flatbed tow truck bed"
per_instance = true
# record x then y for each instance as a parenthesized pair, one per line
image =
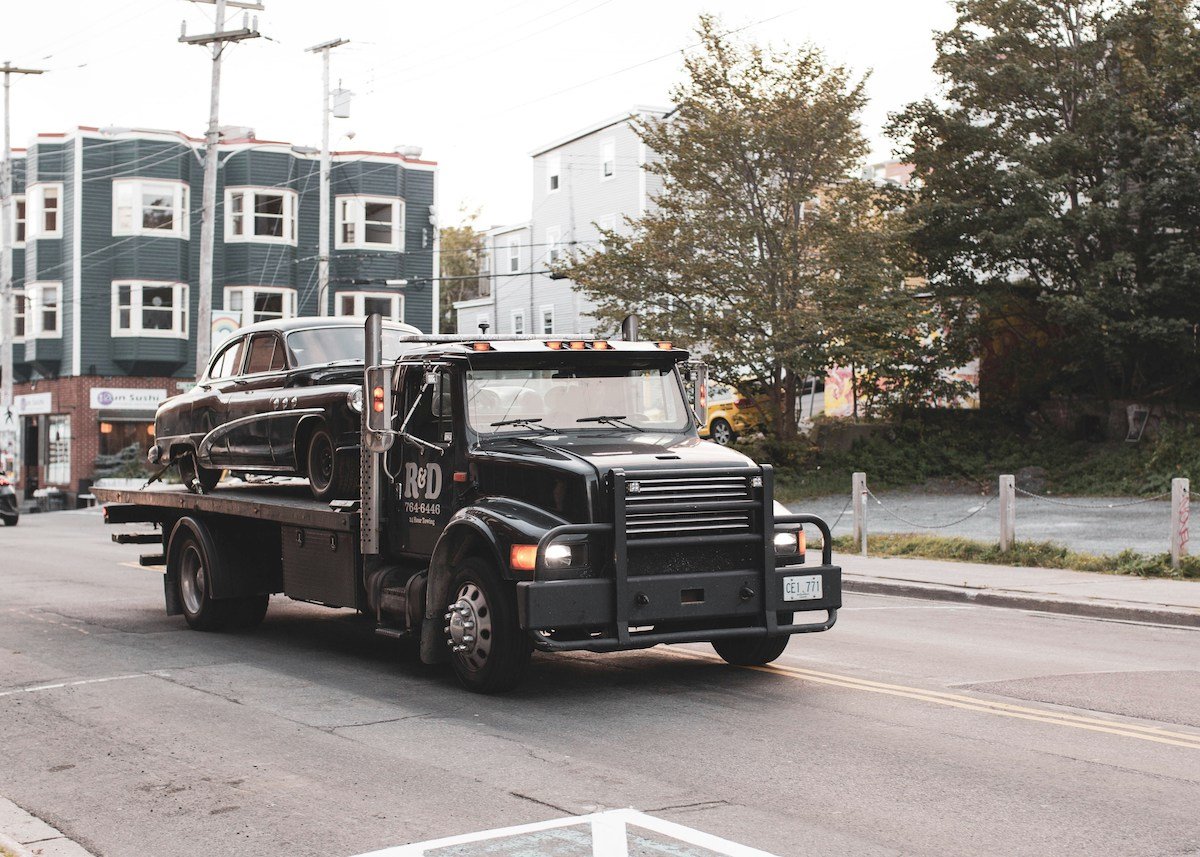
(282, 504)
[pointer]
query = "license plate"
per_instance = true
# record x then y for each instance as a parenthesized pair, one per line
(802, 587)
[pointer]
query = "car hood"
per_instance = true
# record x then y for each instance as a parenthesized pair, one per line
(631, 451)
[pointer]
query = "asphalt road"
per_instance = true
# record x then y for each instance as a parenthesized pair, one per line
(1099, 525)
(910, 728)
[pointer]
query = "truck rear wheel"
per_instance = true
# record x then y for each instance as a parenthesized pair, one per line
(489, 651)
(203, 612)
(751, 651)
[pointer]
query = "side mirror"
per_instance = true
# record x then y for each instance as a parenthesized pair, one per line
(697, 378)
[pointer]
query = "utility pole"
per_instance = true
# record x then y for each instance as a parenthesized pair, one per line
(323, 240)
(7, 327)
(209, 206)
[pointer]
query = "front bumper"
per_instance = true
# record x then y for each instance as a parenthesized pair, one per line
(625, 611)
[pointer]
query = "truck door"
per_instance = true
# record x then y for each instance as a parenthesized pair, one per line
(424, 479)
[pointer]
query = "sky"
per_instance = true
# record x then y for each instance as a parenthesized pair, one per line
(478, 85)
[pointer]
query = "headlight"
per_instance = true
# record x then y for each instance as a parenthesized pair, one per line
(355, 400)
(787, 543)
(566, 556)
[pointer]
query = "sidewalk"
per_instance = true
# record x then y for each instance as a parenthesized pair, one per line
(1081, 593)
(25, 835)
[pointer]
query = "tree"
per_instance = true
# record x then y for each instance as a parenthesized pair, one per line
(760, 249)
(1059, 201)
(461, 255)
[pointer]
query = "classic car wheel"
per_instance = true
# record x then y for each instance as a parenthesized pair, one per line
(489, 651)
(190, 469)
(721, 432)
(330, 475)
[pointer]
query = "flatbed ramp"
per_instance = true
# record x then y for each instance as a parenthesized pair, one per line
(283, 504)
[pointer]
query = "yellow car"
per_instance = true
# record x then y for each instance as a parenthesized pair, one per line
(730, 414)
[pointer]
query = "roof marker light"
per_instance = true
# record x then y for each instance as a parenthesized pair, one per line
(554, 346)
(665, 346)
(578, 345)
(601, 345)
(481, 346)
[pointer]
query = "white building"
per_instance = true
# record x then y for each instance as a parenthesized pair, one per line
(582, 183)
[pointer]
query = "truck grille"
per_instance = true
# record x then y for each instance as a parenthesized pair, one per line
(684, 506)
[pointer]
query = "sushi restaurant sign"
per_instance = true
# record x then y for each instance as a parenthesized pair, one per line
(110, 398)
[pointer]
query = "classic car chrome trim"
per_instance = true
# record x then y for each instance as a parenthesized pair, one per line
(205, 445)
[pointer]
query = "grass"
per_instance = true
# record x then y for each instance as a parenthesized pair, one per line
(1026, 554)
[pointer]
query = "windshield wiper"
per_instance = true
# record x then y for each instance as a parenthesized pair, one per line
(618, 420)
(528, 422)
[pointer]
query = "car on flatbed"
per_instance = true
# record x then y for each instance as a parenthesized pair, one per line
(516, 494)
(279, 398)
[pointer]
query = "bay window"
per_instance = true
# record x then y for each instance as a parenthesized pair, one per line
(42, 311)
(149, 207)
(260, 303)
(260, 215)
(45, 210)
(142, 308)
(370, 222)
(18, 220)
(388, 305)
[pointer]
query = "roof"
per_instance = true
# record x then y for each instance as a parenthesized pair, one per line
(639, 110)
(305, 322)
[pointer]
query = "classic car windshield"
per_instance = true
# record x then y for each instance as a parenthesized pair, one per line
(646, 397)
(317, 346)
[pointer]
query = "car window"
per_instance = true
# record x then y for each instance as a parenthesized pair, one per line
(265, 356)
(227, 361)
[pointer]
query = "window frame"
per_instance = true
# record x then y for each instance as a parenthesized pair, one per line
(554, 181)
(290, 215)
(356, 205)
(289, 302)
(38, 192)
(279, 349)
(180, 199)
(180, 306)
(34, 310)
(513, 317)
(553, 244)
(608, 159)
(238, 342)
(547, 311)
(20, 225)
(360, 298)
(514, 255)
(21, 301)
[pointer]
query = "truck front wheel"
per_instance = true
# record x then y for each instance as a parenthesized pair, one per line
(489, 651)
(751, 651)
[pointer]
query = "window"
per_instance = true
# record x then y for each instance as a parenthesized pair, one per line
(42, 309)
(149, 309)
(518, 321)
(514, 255)
(548, 318)
(145, 207)
(553, 250)
(553, 174)
(228, 361)
(371, 222)
(388, 305)
(19, 220)
(19, 310)
(260, 303)
(266, 354)
(267, 216)
(58, 452)
(608, 160)
(46, 214)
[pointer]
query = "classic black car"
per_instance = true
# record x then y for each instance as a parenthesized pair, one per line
(279, 397)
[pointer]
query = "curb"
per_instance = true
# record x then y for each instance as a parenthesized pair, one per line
(23, 834)
(1181, 617)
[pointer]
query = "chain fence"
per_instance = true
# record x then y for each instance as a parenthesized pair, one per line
(971, 514)
(1095, 507)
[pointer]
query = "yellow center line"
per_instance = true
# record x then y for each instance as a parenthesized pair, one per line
(968, 703)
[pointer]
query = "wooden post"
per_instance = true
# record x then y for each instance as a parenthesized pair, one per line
(1008, 513)
(1180, 512)
(858, 495)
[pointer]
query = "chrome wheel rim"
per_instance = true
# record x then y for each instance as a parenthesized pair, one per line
(721, 433)
(469, 627)
(192, 579)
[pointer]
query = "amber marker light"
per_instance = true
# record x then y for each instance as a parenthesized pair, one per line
(523, 557)
(601, 345)
(481, 346)
(578, 346)
(377, 400)
(554, 346)
(665, 346)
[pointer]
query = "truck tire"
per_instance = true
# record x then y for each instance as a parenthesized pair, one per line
(751, 651)
(721, 432)
(203, 612)
(482, 620)
(330, 475)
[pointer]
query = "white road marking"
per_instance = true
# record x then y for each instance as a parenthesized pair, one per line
(606, 829)
(61, 684)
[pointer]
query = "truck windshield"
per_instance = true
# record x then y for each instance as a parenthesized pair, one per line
(584, 398)
(317, 346)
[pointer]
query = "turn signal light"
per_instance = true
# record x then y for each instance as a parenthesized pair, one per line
(377, 400)
(523, 557)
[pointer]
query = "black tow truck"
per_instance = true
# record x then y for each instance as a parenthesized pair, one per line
(517, 493)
